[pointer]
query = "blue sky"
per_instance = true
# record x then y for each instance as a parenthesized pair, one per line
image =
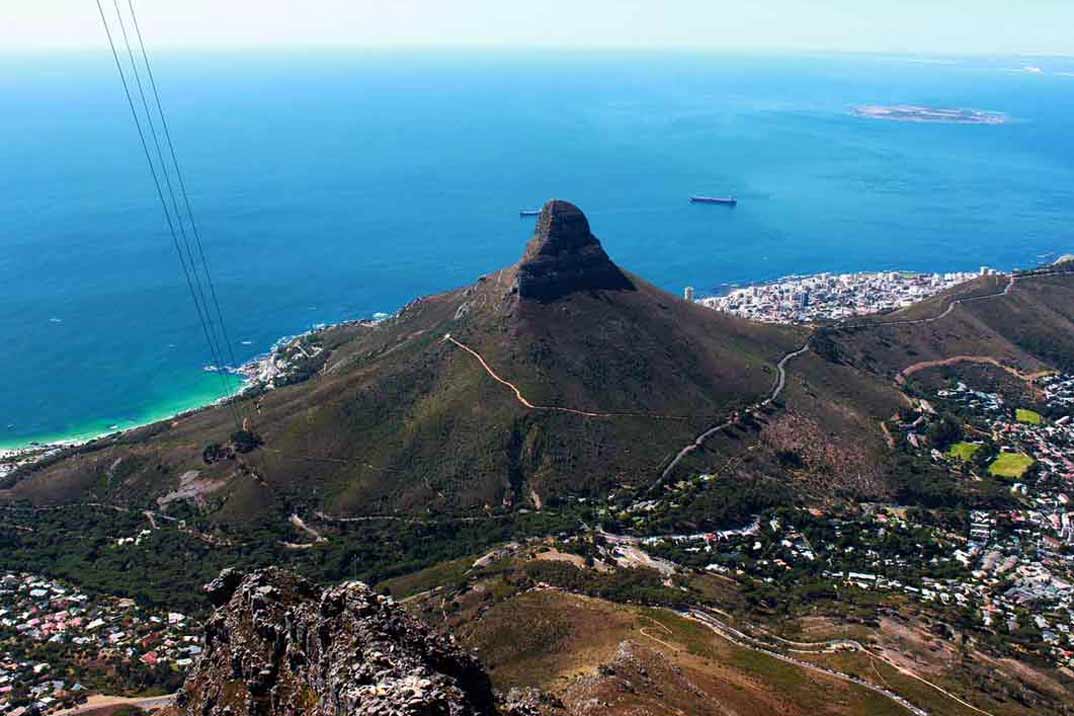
(993, 27)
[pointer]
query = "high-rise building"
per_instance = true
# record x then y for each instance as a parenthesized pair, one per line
(688, 293)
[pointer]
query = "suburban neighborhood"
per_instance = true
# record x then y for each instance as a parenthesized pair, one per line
(58, 645)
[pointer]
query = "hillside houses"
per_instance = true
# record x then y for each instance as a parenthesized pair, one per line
(53, 638)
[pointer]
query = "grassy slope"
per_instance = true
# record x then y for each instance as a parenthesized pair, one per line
(1030, 329)
(561, 642)
(573, 645)
(401, 420)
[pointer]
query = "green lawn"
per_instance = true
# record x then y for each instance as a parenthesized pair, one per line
(1011, 464)
(1025, 415)
(963, 451)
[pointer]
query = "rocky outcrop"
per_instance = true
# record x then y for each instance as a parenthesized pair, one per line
(564, 257)
(278, 645)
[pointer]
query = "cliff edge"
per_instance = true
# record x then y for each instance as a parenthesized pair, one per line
(279, 645)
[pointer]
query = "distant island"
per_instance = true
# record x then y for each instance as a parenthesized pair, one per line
(914, 113)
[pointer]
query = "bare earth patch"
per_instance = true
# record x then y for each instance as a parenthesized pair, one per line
(192, 487)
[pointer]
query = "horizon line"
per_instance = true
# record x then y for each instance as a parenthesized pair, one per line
(37, 50)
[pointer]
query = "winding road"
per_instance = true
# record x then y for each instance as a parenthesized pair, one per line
(984, 360)
(742, 639)
(781, 377)
(947, 311)
(777, 389)
(736, 418)
(747, 642)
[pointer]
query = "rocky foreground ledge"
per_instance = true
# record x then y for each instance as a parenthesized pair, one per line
(279, 645)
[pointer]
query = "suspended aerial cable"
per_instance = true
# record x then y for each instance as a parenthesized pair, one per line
(203, 317)
(182, 186)
(214, 340)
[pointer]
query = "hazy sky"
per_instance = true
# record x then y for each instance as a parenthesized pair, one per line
(915, 26)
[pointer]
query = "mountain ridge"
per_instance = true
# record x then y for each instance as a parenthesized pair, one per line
(565, 325)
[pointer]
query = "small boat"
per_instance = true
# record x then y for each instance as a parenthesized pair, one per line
(530, 212)
(725, 200)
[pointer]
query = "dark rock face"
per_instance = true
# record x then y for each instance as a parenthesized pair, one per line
(564, 257)
(280, 646)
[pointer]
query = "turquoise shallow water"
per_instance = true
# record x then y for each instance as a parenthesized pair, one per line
(336, 185)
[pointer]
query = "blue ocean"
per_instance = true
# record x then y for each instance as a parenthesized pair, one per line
(334, 185)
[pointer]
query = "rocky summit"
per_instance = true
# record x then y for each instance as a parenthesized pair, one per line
(564, 257)
(279, 645)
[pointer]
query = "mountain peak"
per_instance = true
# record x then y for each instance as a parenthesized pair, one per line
(564, 257)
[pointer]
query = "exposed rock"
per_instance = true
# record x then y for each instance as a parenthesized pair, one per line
(220, 589)
(635, 678)
(280, 646)
(531, 702)
(564, 257)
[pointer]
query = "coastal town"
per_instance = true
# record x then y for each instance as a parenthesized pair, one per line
(1019, 557)
(832, 297)
(11, 460)
(59, 645)
(537, 359)
(1006, 569)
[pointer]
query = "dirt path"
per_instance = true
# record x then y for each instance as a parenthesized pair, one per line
(556, 408)
(643, 631)
(946, 312)
(953, 360)
(299, 524)
(818, 647)
(781, 375)
(745, 641)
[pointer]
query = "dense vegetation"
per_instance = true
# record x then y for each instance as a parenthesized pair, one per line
(629, 586)
(170, 565)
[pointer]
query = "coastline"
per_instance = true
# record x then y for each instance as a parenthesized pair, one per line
(260, 372)
(100, 428)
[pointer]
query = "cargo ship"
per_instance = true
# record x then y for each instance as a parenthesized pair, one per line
(725, 200)
(529, 212)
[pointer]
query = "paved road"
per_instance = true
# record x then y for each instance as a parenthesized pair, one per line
(953, 360)
(1006, 291)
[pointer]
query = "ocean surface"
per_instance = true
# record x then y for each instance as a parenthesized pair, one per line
(335, 185)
